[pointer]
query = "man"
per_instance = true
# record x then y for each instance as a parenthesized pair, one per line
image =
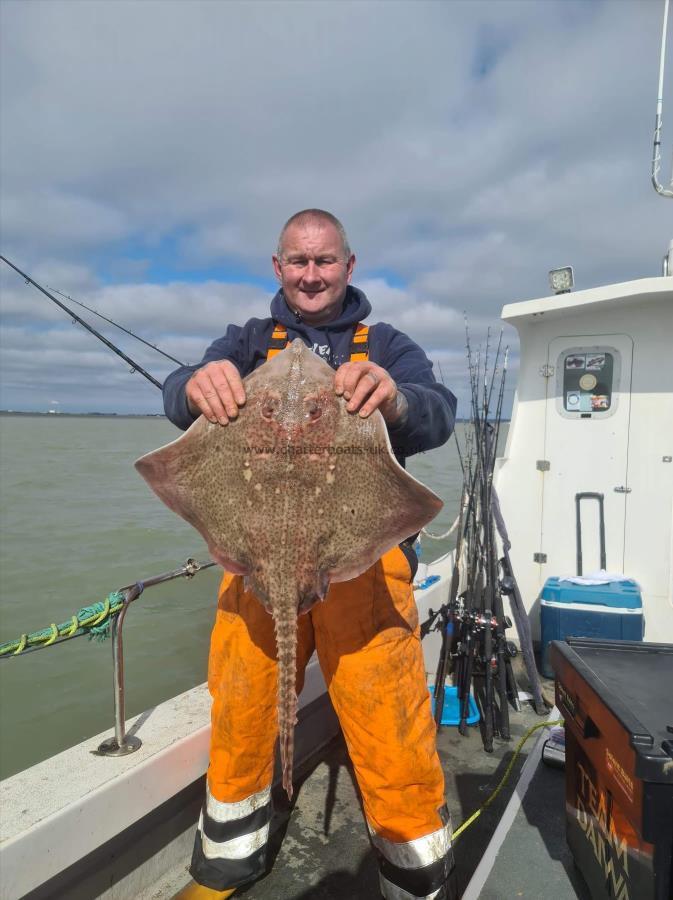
(365, 631)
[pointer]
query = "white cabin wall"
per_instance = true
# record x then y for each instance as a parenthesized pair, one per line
(649, 506)
(648, 319)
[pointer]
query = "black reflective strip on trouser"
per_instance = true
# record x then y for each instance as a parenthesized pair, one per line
(422, 882)
(434, 879)
(221, 873)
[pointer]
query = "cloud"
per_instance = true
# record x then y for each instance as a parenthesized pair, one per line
(65, 219)
(43, 349)
(151, 151)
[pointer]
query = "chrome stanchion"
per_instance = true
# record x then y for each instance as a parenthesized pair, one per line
(121, 744)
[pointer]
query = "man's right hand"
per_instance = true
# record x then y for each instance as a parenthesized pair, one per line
(217, 391)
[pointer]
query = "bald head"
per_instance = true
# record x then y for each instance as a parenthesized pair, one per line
(314, 265)
(312, 218)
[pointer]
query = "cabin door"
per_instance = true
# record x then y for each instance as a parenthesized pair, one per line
(588, 408)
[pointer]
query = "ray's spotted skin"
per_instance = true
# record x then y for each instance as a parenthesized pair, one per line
(293, 494)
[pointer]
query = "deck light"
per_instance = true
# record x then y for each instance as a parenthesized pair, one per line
(561, 280)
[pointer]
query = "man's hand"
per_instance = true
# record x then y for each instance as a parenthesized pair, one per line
(367, 387)
(217, 391)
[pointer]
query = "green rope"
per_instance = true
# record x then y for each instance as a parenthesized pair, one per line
(93, 620)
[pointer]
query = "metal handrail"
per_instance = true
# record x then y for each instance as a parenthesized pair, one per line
(121, 743)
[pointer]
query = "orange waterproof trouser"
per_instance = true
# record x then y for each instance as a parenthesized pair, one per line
(368, 642)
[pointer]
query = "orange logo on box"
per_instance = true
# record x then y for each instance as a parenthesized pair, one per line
(607, 833)
(617, 771)
(566, 699)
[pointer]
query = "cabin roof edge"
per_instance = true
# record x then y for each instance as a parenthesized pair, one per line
(640, 290)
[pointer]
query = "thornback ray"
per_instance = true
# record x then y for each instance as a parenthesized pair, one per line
(293, 494)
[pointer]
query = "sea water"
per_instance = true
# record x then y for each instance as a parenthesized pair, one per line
(77, 522)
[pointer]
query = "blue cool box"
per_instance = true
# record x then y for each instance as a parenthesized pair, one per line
(611, 611)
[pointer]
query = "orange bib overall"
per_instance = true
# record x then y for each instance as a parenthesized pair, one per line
(367, 638)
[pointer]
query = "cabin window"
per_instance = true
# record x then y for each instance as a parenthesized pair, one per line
(588, 381)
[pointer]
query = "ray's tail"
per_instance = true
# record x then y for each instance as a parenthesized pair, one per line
(285, 620)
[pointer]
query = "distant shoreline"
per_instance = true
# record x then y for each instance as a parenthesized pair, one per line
(85, 415)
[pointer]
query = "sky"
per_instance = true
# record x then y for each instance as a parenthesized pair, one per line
(150, 152)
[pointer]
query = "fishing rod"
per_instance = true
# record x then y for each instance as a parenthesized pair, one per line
(135, 367)
(117, 325)
(502, 668)
(483, 538)
(472, 622)
(447, 624)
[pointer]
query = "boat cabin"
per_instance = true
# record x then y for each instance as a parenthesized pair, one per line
(586, 480)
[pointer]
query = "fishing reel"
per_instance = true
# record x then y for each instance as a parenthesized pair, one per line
(440, 619)
(478, 621)
(507, 585)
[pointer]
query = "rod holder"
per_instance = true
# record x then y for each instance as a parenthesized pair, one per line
(121, 744)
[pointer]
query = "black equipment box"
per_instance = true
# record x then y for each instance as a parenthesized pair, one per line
(616, 698)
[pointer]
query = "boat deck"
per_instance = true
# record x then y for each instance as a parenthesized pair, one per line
(320, 849)
(528, 856)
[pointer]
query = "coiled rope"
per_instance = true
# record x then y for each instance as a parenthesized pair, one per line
(93, 620)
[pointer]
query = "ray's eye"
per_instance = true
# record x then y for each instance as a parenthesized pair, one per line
(268, 409)
(313, 411)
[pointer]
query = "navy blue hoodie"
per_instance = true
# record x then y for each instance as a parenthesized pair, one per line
(432, 408)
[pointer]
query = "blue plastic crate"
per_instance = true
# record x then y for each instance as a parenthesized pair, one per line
(612, 611)
(451, 711)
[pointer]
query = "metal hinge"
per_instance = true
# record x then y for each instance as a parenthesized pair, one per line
(542, 465)
(546, 371)
(540, 557)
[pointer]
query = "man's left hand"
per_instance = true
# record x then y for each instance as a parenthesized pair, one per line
(367, 387)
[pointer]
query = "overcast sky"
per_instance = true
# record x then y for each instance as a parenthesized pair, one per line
(152, 150)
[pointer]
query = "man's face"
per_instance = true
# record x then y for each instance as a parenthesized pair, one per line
(313, 271)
